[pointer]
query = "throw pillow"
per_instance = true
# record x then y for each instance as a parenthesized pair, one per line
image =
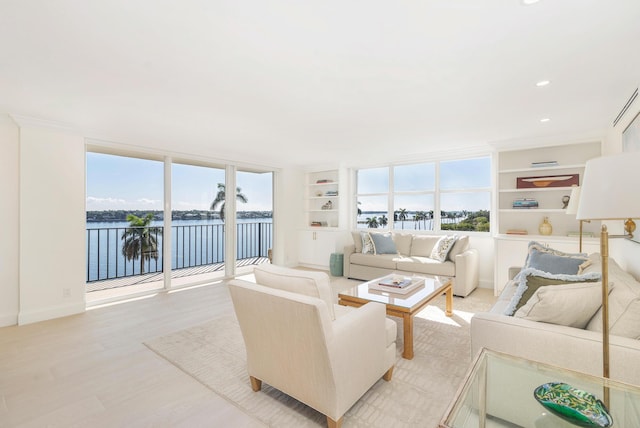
(537, 246)
(367, 243)
(569, 305)
(383, 243)
(461, 245)
(442, 247)
(549, 262)
(529, 280)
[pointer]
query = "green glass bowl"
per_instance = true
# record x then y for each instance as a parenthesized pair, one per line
(578, 407)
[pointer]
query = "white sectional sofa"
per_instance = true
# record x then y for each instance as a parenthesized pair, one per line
(414, 256)
(570, 347)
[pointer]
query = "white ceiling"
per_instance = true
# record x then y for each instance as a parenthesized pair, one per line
(308, 82)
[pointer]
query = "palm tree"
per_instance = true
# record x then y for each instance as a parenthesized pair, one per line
(383, 220)
(139, 241)
(419, 215)
(402, 216)
(372, 222)
(220, 199)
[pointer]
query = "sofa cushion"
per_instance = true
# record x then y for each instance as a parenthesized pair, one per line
(441, 250)
(624, 301)
(529, 280)
(422, 245)
(461, 245)
(383, 243)
(426, 265)
(403, 242)
(314, 284)
(384, 261)
(367, 243)
(357, 241)
(570, 305)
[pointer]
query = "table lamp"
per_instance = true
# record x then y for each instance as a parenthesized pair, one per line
(609, 192)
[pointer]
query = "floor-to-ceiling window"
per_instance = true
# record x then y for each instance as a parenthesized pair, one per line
(254, 216)
(132, 247)
(197, 222)
(124, 215)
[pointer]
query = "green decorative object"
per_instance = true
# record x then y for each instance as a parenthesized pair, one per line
(573, 405)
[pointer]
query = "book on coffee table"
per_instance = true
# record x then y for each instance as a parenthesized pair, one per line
(399, 285)
(395, 282)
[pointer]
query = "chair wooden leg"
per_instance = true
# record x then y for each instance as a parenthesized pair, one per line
(256, 384)
(334, 424)
(388, 374)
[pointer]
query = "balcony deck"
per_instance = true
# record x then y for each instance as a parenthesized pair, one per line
(110, 289)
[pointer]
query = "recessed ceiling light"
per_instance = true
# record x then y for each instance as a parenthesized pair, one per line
(528, 2)
(543, 83)
(545, 119)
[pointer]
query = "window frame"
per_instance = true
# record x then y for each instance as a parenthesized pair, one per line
(437, 193)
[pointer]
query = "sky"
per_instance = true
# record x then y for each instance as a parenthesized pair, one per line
(454, 177)
(124, 183)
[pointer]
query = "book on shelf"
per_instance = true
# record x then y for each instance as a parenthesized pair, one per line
(544, 164)
(517, 232)
(323, 181)
(524, 203)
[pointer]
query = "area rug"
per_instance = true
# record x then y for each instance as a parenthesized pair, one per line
(418, 395)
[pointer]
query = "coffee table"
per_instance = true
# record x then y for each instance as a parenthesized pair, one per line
(402, 306)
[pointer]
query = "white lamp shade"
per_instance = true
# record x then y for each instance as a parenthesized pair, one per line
(609, 188)
(574, 201)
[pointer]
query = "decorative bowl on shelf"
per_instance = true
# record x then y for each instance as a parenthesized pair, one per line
(578, 407)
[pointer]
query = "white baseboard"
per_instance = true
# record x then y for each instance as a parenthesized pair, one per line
(29, 317)
(9, 319)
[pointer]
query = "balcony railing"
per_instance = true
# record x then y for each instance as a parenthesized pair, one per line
(192, 246)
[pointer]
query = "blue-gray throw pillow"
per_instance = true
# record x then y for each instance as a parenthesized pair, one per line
(548, 262)
(383, 243)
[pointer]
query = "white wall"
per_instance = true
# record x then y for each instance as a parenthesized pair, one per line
(52, 224)
(625, 252)
(287, 205)
(9, 221)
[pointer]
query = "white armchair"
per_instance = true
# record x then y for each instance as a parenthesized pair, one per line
(323, 355)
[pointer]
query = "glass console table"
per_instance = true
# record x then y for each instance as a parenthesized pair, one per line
(498, 392)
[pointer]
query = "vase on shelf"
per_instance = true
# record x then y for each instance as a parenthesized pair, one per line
(545, 227)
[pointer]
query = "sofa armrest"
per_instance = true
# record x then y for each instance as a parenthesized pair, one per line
(513, 271)
(557, 345)
(346, 262)
(466, 279)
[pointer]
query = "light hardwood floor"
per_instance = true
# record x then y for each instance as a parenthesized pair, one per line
(92, 370)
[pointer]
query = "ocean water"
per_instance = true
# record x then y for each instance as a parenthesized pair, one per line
(194, 243)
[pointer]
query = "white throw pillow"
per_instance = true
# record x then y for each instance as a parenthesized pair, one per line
(367, 244)
(571, 305)
(442, 247)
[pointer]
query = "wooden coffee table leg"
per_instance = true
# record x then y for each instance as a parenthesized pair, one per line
(407, 327)
(449, 303)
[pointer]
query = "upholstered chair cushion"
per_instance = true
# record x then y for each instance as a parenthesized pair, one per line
(314, 284)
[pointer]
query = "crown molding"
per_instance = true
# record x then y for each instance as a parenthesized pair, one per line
(34, 122)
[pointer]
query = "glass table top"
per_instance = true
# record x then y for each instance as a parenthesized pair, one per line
(430, 286)
(499, 392)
